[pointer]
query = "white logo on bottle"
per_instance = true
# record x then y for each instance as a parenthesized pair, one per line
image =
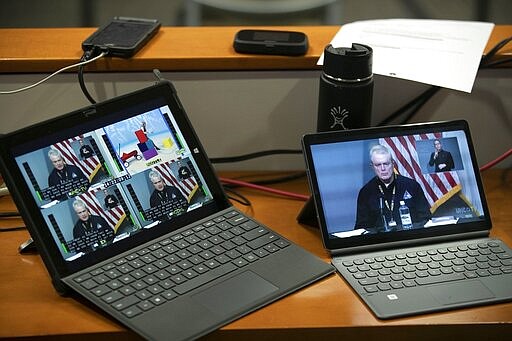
(339, 115)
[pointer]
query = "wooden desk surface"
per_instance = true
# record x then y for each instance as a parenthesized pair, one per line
(30, 307)
(24, 50)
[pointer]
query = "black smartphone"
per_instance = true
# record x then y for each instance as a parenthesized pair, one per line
(271, 42)
(123, 36)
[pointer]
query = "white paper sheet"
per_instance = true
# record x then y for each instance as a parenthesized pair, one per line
(437, 52)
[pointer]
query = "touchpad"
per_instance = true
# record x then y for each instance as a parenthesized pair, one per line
(451, 293)
(235, 293)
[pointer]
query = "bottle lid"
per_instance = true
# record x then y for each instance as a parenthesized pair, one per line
(348, 63)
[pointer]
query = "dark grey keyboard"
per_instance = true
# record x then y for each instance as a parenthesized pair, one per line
(176, 265)
(429, 266)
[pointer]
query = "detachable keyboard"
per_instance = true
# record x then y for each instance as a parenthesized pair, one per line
(427, 266)
(178, 264)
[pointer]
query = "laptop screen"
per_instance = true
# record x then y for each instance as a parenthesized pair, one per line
(386, 184)
(126, 169)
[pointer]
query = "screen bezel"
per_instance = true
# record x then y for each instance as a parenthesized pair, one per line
(380, 239)
(85, 120)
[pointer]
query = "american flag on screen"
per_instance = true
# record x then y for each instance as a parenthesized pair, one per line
(438, 187)
(187, 186)
(114, 216)
(89, 166)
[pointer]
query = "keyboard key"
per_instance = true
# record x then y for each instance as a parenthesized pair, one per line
(143, 294)
(237, 220)
(205, 278)
(434, 272)
(167, 283)
(132, 312)
(157, 300)
(185, 261)
(507, 269)
(249, 225)
(396, 285)
(184, 264)
(169, 294)
(127, 279)
(127, 290)
(112, 296)
(250, 257)
(282, 243)
(440, 279)
(81, 278)
(101, 290)
(363, 268)
(371, 288)
(495, 272)
(397, 277)
(470, 274)
(261, 253)
(255, 233)
(261, 241)
(138, 285)
(126, 302)
(219, 219)
(388, 264)
(372, 273)
(224, 259)
(154, 289)
(384, 279)
(233, 254)
(384, 272)
(190, 273)
(145, 305)
(240, 262)
(368, 281)
(447, 270)
(482, 273)
(421, 267)
(359, 275)
(384, 286)
(88, 284)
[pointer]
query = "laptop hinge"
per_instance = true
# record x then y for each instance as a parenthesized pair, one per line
(408, 243)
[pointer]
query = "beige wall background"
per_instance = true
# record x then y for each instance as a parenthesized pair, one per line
(72, 13)
(242, 112)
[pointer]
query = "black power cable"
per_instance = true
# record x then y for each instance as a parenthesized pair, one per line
(85, 57)
(254, 155)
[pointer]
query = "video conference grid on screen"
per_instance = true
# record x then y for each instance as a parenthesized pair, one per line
(111, 183)
(431, 174)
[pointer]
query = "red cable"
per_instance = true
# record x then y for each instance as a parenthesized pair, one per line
(266, 189)
(306, 197)
(496, 161)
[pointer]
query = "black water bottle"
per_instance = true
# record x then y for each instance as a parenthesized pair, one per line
(346, 88)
